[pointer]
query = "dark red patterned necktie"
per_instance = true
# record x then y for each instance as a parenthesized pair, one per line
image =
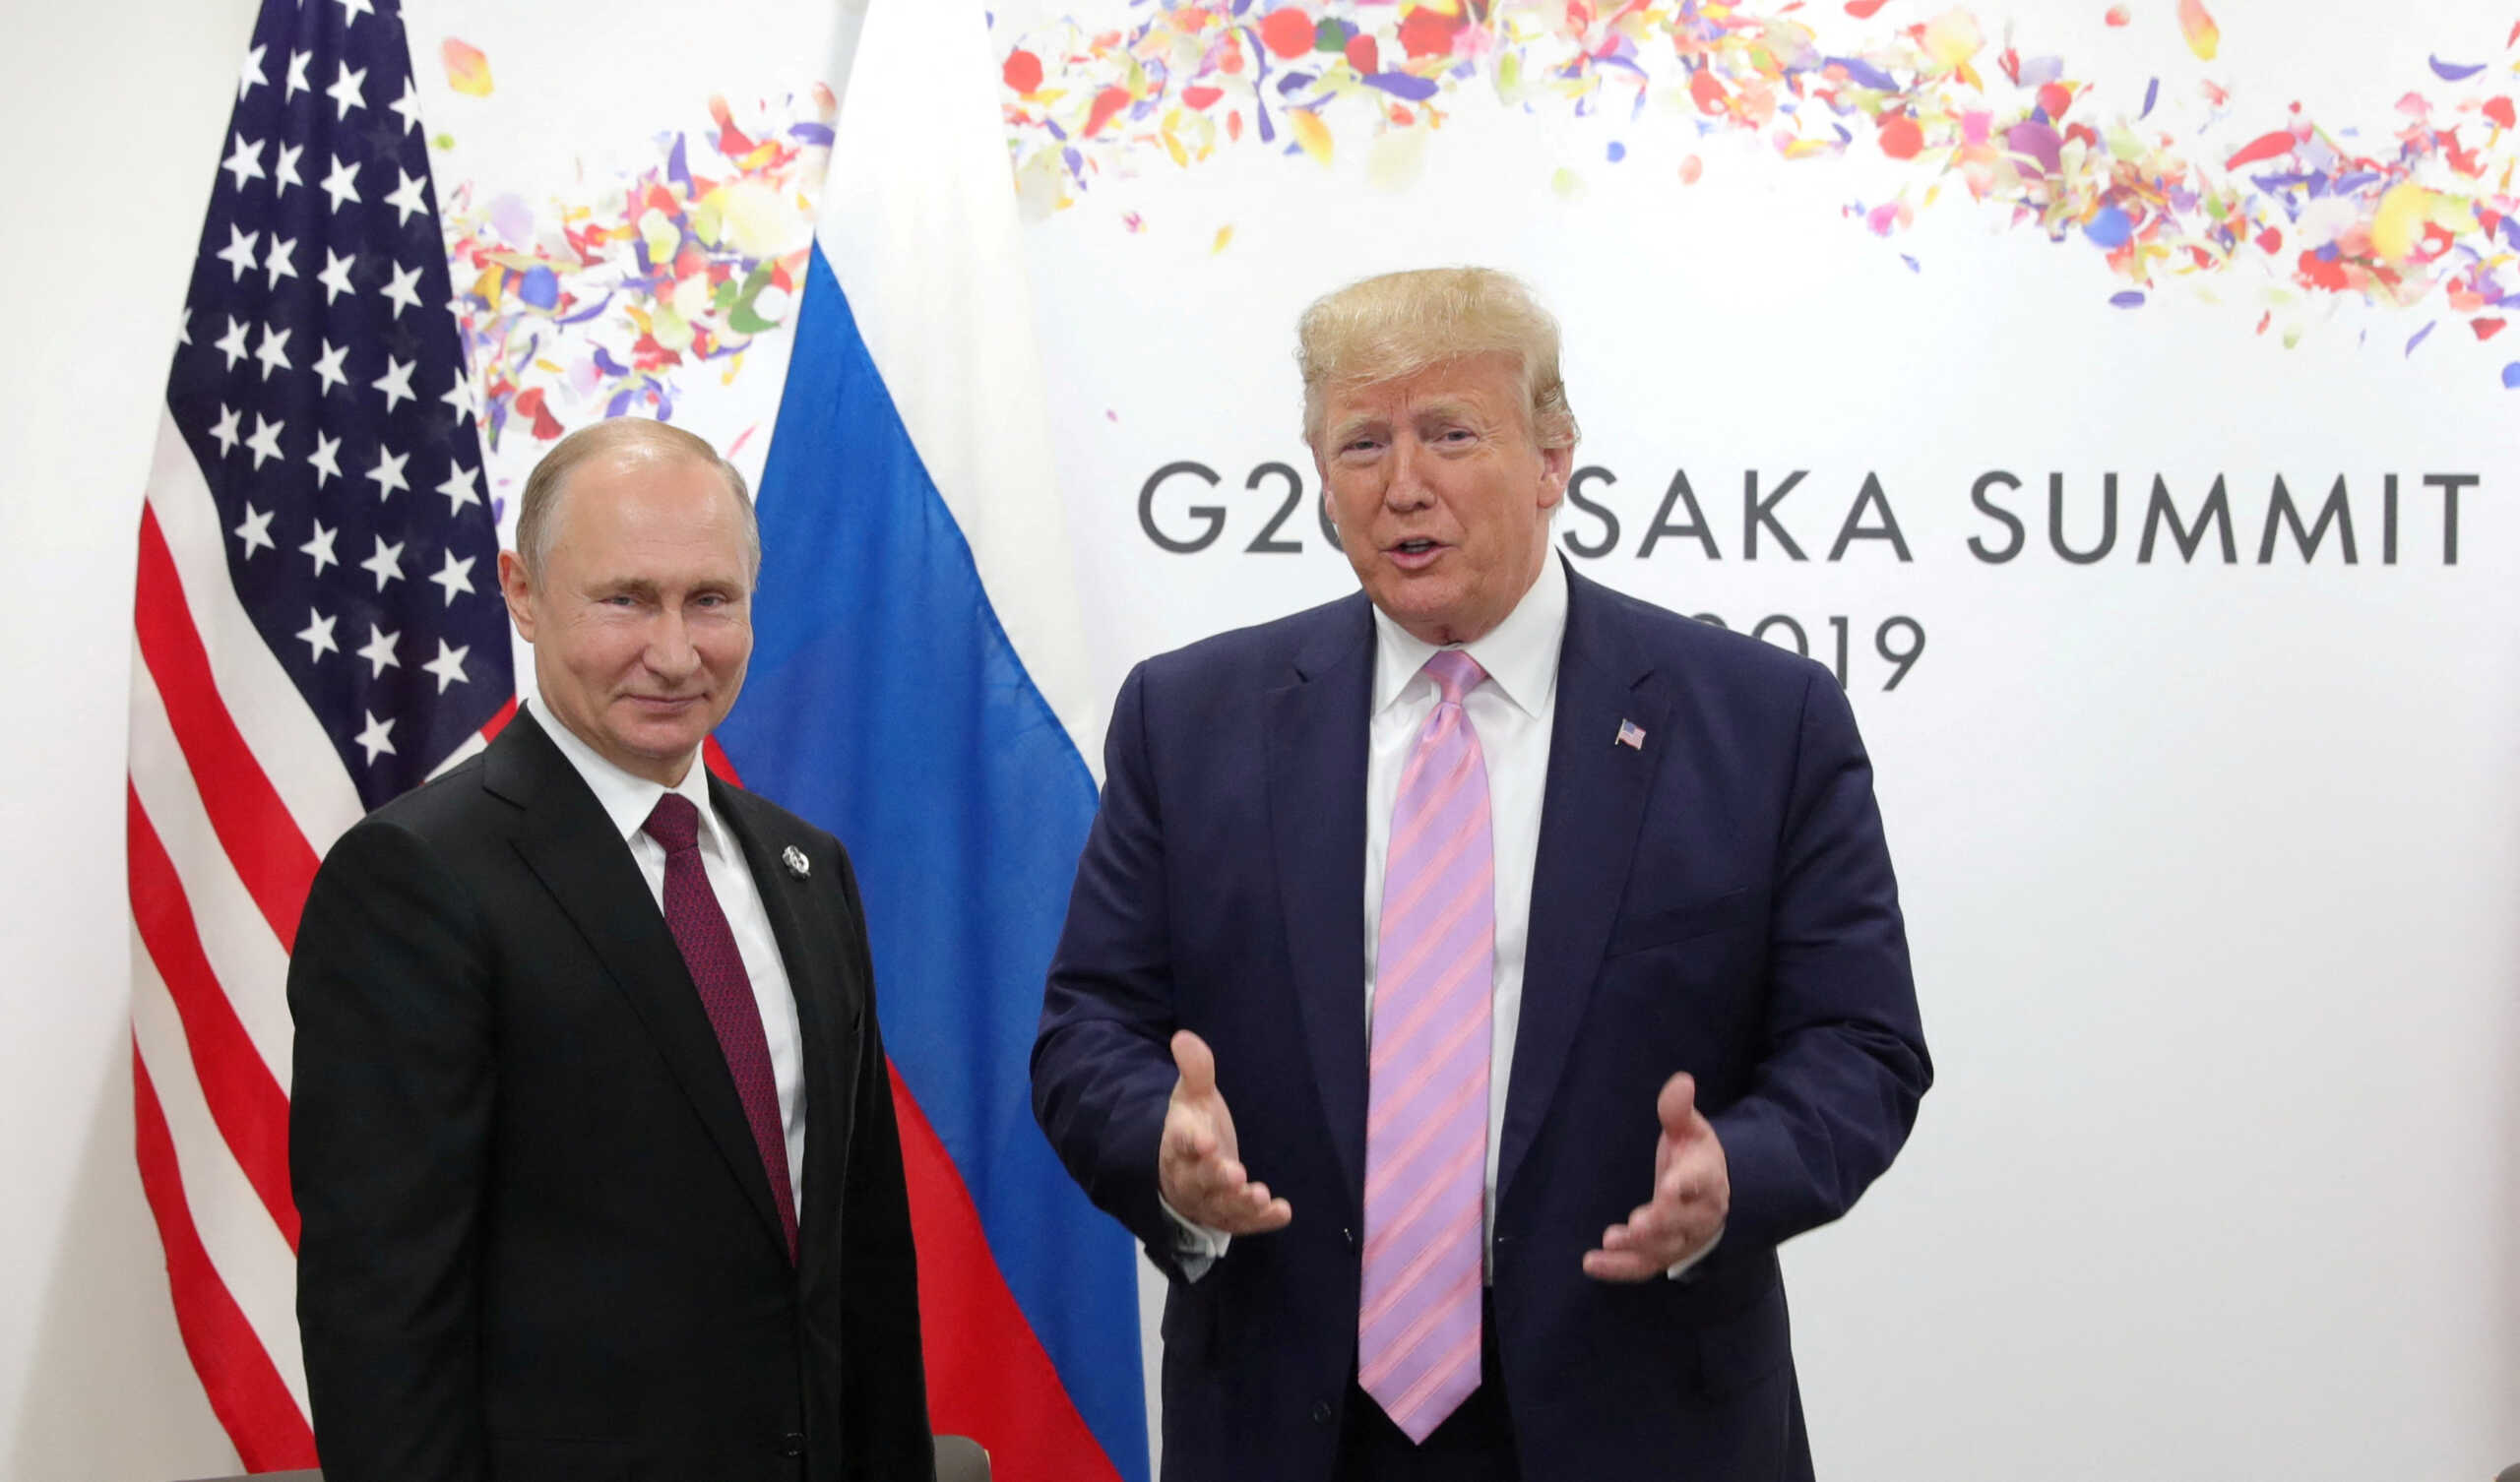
(726, 990)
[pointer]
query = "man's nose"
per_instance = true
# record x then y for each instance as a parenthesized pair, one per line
(1407, 488)
(670, 653)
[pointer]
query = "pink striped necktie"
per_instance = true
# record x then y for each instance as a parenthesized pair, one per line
(1426, 1113)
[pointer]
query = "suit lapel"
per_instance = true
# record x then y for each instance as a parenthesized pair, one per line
(1590, 811)
(1316, 800)
(816, 978)
(571, 847)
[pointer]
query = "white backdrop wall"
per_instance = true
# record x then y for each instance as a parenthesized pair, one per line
(111, 116)
(2209, 868)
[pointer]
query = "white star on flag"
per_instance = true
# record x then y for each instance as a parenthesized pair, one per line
(284, 174)
(386, 565)
(265, 443)
(374, 738)
(245, 161)
(345, 92)
(226, 430)
(297, 81)
(352, 10)
(317, 635)
(407, 105)
(326, 461)
(249, 75)
(232, 344)
(321, 547)
(280, 261)
(336, 277)
(328, 366)
(456, 576)
(240, 253)
(379, 651)
(459, 397)
(256, 532)
(341, 182)
(388, 474)
(406, 199)
(448, 666)
(395, 383)
(272, 352)
(458, 489)
(403, 291)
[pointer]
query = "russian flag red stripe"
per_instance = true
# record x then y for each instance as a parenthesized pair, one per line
(245, 1099)
(988, 1377)
(253, 824)
(246, 1392)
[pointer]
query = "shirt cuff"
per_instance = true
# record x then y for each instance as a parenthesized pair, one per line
(1677, 1268)
(1195, 1247)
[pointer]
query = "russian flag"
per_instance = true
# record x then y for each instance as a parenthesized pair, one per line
(919, 687)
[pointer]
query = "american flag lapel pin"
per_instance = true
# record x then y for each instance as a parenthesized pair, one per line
(1631, 734)
(797, 864)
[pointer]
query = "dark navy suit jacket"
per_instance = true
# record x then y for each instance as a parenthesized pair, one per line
(1717, 900)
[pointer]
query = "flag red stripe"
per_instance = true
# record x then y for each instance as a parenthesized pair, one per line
(245, 1098)
(246, 1392)
(988, 1377)
(252, 822)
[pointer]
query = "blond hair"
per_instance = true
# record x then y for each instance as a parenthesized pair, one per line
(618, 437)
(1397, 324)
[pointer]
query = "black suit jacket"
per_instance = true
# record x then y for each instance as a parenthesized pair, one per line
(1717, 900)
(538, 1241)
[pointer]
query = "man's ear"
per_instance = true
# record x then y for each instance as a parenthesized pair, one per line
(1556, 464)
(516, 584)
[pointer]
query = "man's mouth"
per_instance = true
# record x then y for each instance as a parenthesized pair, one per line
(1409, 555)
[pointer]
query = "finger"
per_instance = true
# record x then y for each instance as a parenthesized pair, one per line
(1620, 1266)
(1676, 1107)
(1197, 1063)
(1188, 1138)
(1275, 1215)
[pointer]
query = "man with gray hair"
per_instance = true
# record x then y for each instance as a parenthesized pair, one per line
(591, 1136)
(1469, 983)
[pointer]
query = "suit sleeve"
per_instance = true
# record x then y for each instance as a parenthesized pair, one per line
(389, 1126)
(1103, 1068)
(1841, 1062)
(883, 1376)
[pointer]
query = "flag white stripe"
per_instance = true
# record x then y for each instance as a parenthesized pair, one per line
(254, 1263)
(951, 331)
(267, 709)
(247, 959)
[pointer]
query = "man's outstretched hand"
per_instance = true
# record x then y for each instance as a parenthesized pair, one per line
(1199, 1165)
(1692, 1192)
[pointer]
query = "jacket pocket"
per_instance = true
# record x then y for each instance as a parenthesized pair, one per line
(1683, 923)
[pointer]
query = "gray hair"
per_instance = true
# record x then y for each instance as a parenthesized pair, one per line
(618, 437)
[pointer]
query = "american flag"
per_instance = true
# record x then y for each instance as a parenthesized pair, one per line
(318, 628)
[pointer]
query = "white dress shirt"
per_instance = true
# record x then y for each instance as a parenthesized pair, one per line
(627, 800)
(1512, 710)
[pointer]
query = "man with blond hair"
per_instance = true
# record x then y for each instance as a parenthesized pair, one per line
(590, 1132)
(1469, 983)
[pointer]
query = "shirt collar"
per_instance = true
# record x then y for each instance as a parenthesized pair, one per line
(1520, 653)
(628, 799)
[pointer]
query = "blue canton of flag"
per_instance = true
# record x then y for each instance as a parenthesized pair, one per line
(322, 390)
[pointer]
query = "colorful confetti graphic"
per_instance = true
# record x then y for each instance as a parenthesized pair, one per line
(595, 303)
(2417, 215)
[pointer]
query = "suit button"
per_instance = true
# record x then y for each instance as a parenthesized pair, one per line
(791, 1445)
(1321, 1412)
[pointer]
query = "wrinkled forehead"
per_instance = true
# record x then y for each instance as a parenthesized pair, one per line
(1483, 382)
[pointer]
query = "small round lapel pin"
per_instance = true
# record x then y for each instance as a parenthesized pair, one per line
(797, 864)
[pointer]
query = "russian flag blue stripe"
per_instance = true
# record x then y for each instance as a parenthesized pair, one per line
(886, 704)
